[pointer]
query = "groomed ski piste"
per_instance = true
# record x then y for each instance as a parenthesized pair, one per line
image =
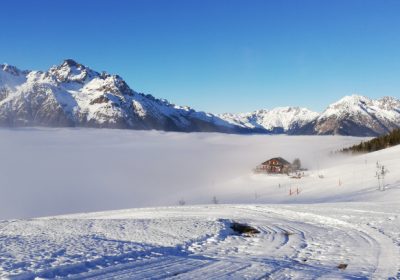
(337, 226)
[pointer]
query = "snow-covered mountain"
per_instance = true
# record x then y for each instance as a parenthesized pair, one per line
(72, 94)
(279, 120)
(352, 115)
(359, 115)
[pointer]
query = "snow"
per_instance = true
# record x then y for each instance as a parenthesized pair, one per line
(384, 108)
(379, 116)
(192, 242)
(64, 95)
(280, 117)
(338, 217)
(11, 77)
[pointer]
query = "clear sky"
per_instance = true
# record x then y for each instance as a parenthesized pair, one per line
(217, 55)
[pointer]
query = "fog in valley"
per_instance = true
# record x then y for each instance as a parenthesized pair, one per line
(57, 171)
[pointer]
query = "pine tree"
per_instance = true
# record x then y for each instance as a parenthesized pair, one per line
(379, 143)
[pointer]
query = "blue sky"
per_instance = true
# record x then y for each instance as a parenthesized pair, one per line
(217, 55)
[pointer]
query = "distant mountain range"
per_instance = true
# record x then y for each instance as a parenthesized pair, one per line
(72, 94)
(352, 115)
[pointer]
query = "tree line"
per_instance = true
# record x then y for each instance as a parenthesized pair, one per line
(378, 143)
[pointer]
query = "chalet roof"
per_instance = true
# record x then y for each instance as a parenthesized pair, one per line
(279, 159)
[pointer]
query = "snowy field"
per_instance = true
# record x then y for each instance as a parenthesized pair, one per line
(334, 218)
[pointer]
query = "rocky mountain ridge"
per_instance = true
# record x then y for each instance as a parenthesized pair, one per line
(72, 94)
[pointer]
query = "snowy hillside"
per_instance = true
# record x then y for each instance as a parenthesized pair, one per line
(196, 242)
(334, 225)
(72, 94)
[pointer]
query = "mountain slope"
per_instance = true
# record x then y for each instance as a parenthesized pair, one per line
(359, 116)
(72, 94)
(353, 115)
(279, 120)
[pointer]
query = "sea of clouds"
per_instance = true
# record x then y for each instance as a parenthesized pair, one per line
(47, 171)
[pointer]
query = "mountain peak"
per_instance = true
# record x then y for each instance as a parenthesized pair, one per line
(279, 119)
(10, 69)
(389, 103)
(72, 94)
(389, 99)
(359, 115)
(353, 99)
(359, 102)
(350, 103)
(70, 62)
(72, 71)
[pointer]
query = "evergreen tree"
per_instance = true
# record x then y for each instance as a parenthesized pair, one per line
(379, 143)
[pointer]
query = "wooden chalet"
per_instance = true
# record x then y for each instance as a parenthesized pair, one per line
(276, 165)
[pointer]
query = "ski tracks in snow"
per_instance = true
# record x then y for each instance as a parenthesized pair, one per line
(295, 242)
